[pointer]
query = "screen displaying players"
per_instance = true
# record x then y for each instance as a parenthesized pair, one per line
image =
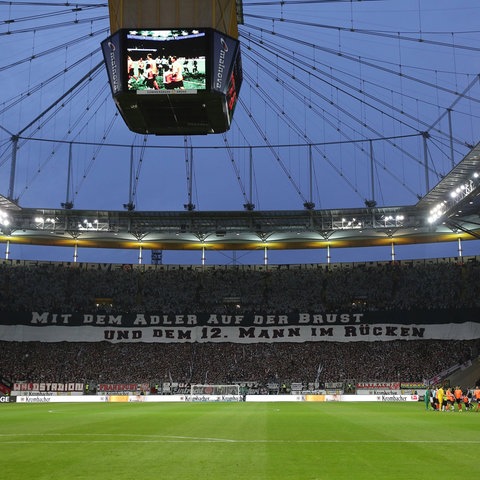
(167, 60)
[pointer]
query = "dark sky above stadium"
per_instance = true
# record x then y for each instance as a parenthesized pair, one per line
(346, 85)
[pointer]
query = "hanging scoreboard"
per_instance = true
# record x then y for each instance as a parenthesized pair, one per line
(174, 81)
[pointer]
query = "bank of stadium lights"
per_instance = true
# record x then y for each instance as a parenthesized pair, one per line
(4, 219)
(96, 225)
(393, 221)
(347, 224)
(388, 221)
(88, 225)
(43, 222)
(437, 211)
(454, 197)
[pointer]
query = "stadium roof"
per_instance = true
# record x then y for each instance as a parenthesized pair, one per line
(448, 212)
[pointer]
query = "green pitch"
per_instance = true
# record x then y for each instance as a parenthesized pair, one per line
(298, 441)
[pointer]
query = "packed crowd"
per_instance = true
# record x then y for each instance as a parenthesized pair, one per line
(384, 286)
(66, 288)
(227, 362)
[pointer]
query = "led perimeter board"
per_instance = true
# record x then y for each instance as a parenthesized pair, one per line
(182, 81)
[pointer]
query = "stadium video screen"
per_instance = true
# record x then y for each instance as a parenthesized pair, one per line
(165, 60)
(203, 63)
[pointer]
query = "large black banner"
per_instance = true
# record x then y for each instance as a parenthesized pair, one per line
(462, 324)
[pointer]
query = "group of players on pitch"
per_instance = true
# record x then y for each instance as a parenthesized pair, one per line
(443, 399)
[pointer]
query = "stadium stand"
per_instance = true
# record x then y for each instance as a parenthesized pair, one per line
(444, 284)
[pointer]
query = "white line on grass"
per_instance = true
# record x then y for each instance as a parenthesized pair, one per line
(6, 439)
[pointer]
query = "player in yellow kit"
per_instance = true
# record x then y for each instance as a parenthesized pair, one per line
(440, 398)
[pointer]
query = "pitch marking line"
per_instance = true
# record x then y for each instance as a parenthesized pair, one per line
(6, 438)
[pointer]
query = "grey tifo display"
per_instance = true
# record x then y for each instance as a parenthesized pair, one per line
(174, 81)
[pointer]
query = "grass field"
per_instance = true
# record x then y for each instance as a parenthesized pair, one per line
(236, 441)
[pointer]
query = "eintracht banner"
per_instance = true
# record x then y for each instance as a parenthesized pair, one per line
(249, 328)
